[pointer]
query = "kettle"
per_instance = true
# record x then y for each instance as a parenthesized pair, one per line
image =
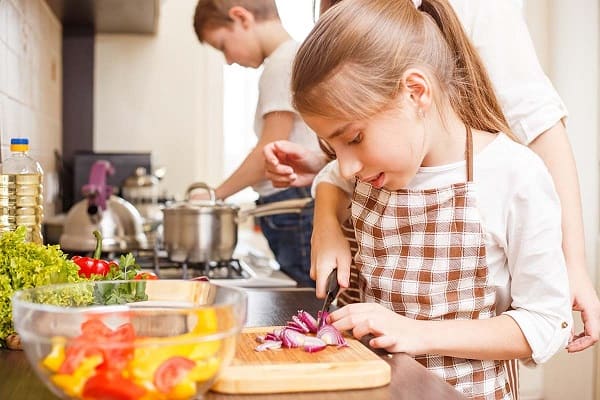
(119, 222)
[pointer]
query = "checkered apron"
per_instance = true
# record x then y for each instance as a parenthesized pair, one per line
(422, 254)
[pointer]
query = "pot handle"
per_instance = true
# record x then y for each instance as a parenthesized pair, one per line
(201, 185)
(293, 206)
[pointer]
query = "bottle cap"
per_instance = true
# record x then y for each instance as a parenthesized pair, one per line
(19, 144)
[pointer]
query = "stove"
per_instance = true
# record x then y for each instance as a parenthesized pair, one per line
(250, 270)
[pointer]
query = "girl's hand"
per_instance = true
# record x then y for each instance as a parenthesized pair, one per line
(329, 249)
(291, 164)
(393, 332)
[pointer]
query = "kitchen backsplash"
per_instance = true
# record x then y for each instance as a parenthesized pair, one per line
(31, 84)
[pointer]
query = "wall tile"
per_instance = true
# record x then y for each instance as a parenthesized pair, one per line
(30, 82)
(13, 27)
(13, 76)
(3, 19)
(3, 51)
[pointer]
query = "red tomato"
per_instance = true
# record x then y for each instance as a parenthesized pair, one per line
(111, 386)
(149, 276)
(170, 372)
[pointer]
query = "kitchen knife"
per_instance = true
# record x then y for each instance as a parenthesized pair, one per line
(332, 290)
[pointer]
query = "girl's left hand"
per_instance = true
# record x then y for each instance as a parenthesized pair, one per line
(393, 332)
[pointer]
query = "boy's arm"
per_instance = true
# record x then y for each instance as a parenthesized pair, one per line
(276, 126)
(555, 150)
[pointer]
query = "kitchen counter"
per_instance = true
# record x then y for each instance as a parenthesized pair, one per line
(410, 380)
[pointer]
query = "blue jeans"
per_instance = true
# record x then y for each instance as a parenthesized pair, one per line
(289, 235)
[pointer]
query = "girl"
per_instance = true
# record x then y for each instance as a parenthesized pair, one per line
(458, 227)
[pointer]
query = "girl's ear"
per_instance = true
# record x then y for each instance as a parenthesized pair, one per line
(418, 89)
(241, 15)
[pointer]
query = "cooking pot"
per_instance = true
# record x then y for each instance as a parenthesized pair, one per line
(202, 231)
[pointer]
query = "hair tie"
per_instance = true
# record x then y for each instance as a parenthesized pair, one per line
(417, 3)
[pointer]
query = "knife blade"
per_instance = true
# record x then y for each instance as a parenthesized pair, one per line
(332, 288)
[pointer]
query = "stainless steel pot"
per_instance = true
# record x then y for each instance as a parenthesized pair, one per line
(201, 231)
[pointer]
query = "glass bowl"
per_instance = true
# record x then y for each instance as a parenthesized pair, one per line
(148, 340)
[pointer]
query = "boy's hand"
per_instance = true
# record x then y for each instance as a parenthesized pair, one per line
(586, 301)
(291, 164)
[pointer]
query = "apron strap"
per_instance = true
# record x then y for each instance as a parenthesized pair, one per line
(469, 154)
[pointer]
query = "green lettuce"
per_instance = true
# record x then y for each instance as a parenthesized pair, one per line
(26, 265)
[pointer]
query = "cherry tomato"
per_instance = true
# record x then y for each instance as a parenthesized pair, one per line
(170, 372)
(148, 276)
(111, 386)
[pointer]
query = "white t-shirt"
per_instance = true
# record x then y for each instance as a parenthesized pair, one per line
(498, 31)
(521, 215)
(274, 94)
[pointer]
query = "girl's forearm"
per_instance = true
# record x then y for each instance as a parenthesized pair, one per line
(498, 338)
(331, 201)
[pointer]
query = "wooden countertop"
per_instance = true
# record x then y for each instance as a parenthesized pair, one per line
(410, 380)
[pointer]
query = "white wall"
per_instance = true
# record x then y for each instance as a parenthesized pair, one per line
(161, 93)
(566, 39)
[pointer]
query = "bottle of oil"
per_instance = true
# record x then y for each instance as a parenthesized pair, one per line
(19, 161)
(24, 199)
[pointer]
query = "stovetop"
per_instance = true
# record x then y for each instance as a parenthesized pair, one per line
(245, 271)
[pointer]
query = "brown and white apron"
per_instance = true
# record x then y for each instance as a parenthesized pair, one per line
(422, 254)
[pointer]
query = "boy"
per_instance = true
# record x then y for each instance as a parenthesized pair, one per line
(250, 33)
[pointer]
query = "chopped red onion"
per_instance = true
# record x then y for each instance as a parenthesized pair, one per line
(322, 318)
(330, 335)
(300, 323)
(292, 338)
(308, 320)
(313, 344)
(268, 345)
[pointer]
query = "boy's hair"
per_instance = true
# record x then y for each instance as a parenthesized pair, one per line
(215, 13)
(350, 66)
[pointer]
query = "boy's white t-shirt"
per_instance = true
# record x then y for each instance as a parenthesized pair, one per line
(275, 94)
(521, 216)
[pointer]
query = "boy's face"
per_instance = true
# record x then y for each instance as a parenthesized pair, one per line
(237, 43)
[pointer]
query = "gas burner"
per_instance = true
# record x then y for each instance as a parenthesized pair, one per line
(158, 262)
(226, 269)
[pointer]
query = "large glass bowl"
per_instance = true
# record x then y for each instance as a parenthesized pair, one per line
(155, 339)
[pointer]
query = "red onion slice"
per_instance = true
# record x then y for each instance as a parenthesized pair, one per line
(292, 338)
(330, 335)
(313, 344)
(308, 320)
(268, 345)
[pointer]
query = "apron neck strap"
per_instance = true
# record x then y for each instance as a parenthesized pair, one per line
(469, 154)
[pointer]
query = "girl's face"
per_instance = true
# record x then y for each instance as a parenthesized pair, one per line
(385, 150)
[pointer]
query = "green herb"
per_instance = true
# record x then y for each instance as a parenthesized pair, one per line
(121, 293)
(25, 265)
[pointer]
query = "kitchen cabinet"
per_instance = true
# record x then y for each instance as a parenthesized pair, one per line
(109, 16)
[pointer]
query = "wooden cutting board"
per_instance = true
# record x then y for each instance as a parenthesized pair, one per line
(295, 370)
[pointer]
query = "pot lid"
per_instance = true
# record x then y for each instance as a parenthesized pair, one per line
(140, 178)
(202, 206)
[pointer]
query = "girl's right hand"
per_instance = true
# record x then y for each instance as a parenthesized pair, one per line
(330, 249)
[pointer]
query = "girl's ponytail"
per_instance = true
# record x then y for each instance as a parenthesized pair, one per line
(474, 101)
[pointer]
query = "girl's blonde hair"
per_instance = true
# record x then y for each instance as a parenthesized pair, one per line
(215, 13)
(351, 64)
